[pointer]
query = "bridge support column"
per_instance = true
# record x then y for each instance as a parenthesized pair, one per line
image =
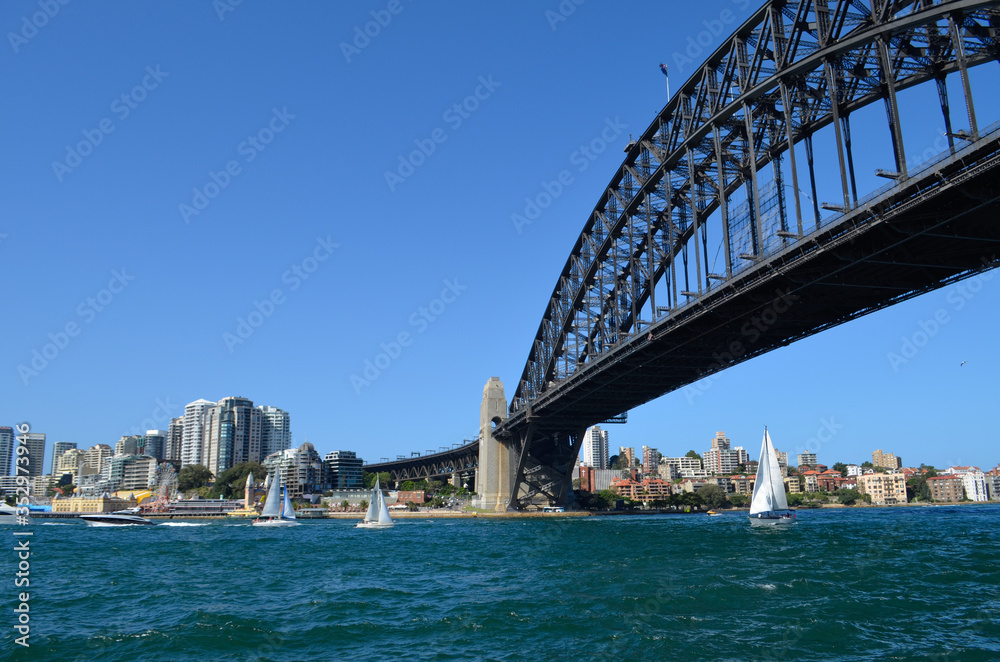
(496, 463)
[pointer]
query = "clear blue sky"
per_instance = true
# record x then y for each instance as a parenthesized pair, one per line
(335, 120)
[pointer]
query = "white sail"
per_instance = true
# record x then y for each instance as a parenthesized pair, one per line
(272, 505)
(383, 512)
(287, 512)
(372, 513)
(769, 488)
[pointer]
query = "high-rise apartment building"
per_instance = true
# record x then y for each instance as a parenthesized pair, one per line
(886, 460)
(35, 443)
(344, 470)
(6, 449)
(128, 445)
(69, 463)
(154, 444)
(626, 455)
(232, 434)
(807, 459)
(301, 469)
(175, 439)
(96, 457)
(193, 450)
(595, 447)
(723, 460)
(650, 460)
(58, 449)
(275, 430)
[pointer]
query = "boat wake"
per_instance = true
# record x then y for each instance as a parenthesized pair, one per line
(184, 524)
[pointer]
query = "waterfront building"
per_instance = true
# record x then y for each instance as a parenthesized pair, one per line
(301, 469)
(886, 460)
(595, 447)
(275, 430)
(6, 449)
(722, 482)
(806, 459)
(35, 444)
(960, 470)
(826, 480)
(993, 485)
(723, 460)
(418, 497)
(846, 483)
(884, 489)
(97, 457)
(138, 473)
(853, 470)
(646, 490)
(947, 487)
(101, 504)
(8, 485)
(58, 448)
(193, 449)
(594, 480)
(809, 478)
(345, 470)
(793, 485)
(40, 485)
(974, 483)
(650, 460)
(154, 444)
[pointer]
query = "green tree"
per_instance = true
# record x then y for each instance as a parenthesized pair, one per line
(692, 499)
(713, 496)
(739, 500)
(193, 476)
(841, 467)
(795, 499)
(384, 479)
(407, 486)
(231, 483)
(848, 497)
(364, 504)
(917, 488)
(576, 483)
(345, 504)
(693, 454)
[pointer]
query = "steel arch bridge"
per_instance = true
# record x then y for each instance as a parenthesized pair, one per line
(638, 311)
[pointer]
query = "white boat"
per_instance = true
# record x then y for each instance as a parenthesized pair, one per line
(8, 515)
(769, 505)
(277, 510)
(128, 517)
(377, 516)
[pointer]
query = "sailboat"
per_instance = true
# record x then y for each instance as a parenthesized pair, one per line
(769, 505)
(277, 510)
(377, 516)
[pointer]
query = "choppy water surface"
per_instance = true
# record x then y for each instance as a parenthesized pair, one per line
(890, 584)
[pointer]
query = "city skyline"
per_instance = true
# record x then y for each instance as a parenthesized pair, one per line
(229, 200)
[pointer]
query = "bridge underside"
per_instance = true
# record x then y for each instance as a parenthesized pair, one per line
(461, 462)
(928, 231)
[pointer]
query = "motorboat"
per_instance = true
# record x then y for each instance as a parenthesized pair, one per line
(127, 517)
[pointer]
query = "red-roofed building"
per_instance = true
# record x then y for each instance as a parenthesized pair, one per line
(649, 489)
(848, 483)
(827, 480)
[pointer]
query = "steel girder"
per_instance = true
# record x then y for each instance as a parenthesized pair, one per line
(763, 92)
(462, 460)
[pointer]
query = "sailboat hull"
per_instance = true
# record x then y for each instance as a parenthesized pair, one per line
(772, 520)
(375, 525)
(274, 522)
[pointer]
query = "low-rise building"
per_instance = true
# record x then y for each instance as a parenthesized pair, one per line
(742, 484)
(418, 497)
(101, 504)
(884, 489)
(853, 470)
(596, 480)
(793, 485)
(947, 488)
(826, 481)
(646, 490)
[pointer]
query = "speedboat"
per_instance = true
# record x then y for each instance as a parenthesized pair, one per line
(712, 513)
(126, 517)
(8, 515)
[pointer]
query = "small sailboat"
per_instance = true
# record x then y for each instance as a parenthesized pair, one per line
(277, 510)
(377, 516)
(768, 504)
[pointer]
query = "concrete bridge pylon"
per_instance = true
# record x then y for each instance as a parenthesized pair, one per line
(495, 475)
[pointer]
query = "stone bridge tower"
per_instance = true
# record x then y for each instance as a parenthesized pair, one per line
(495, 476)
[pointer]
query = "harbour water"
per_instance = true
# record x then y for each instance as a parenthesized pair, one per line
(844, 584)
